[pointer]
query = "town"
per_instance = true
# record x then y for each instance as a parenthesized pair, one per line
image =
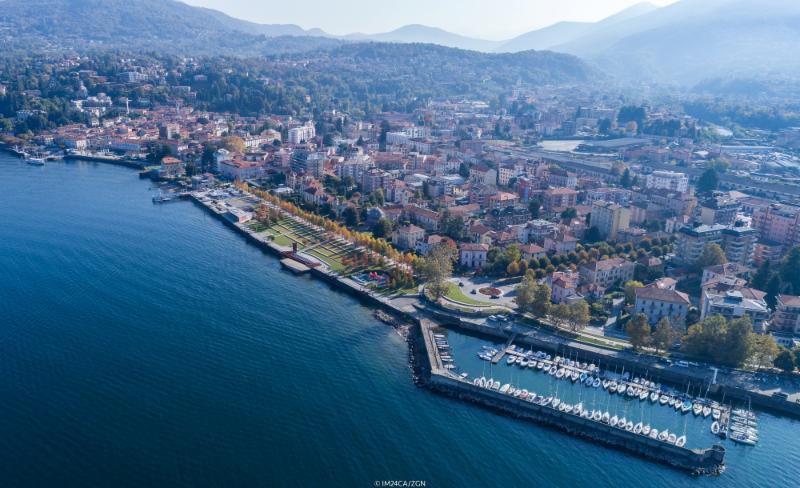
(628, 226)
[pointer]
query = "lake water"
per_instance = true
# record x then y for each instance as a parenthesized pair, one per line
(148, 345)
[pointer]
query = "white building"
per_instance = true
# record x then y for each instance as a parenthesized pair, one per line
(668, 180)
(473, 255)
(304, 133)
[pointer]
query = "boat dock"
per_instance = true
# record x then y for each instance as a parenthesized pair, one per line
(502, 352)
(295, 267)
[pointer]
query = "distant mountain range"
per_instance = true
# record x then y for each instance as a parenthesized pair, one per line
(686, 42)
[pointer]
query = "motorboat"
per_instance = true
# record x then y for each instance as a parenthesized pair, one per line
(560, 373)
(540, 365)
(523, 363)
(663, 436)
(584, 377)
(687, 407)
(680, 441)
(637, 429)
(496, 385)
(716, 413)
(613, 422)
(556, 402)
(621, 388)
(531, 364)
(629, 426)
(654, 434)
(654, 397)
(605, 418)
(697, 409)
(505, 388)
(574, 376)
(646, 429)
(672, 401)
(643, 395)
(672, 438)
(663, 399)
(482, 382)
(511, 360)
(597, 415)
(706, 411)
(744, 439)
(715, 428)
(596, 382)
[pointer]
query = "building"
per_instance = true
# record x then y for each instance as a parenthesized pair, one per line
(406, 237)
(304, 133)
(374, 179)
(532, 251)
(734, 270)
(555, 200)
(734, 304)
(692, 241)
(308, 163)
(238, 169)
(657, 302)
(787, 315)
(609, 219)
(607, 272)
(472, 255)
(171, 168)
(563, 285)
(668, 180)
(739, 244)
(719, 209)
(778, 223)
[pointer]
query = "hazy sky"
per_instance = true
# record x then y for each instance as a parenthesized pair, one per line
(489, 19)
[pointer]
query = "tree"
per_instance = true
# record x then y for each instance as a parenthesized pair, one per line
(630, 291)
(708, 181)
(789, 270)
(569, 214)
(785, 361)
(542, 296)
(765, 350)
(234, 144)
(664, 335)
(351, 217)
(524, 291)
(534, 207)
(559, 314)
(604, 127)
(592, 235)
(761, 276)
(712, 256)
(638, 331)
(382, 228)
(578, 315)
(773, 288)
(625, 180)
(737, 345)
(436, 268)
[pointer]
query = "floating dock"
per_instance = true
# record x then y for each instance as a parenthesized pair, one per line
(295, 267)
(434, 373)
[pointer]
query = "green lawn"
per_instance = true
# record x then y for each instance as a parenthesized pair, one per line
(454, 293)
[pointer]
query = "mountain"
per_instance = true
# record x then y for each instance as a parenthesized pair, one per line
(565, 32)
(694, 40)
(416, 33)
(166, 25)
(269, 30)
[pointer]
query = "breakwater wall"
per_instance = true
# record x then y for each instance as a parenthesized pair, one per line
(433, 375)
(697, 382)
(117, 162)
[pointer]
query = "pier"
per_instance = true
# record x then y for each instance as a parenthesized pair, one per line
(502, 352)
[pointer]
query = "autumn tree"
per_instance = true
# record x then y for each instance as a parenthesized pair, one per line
(436, 268)
(664, 335)
(638, 331)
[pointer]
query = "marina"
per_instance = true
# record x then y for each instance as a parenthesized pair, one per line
(600, 415)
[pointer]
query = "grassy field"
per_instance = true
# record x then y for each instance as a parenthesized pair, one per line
(454, 293)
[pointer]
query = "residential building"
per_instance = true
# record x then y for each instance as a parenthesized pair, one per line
(739, 244)
(607, 272)
(304, 133)
(406, 237)
(692, 241)
(656, 303)
(609, 219)
(473, 255)
(171, 168)
(778, 223)
(563, 285)
(532, 251)
(555, 200)
(787, 315)
(734, 304)
(735, 270)
(668, 180)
